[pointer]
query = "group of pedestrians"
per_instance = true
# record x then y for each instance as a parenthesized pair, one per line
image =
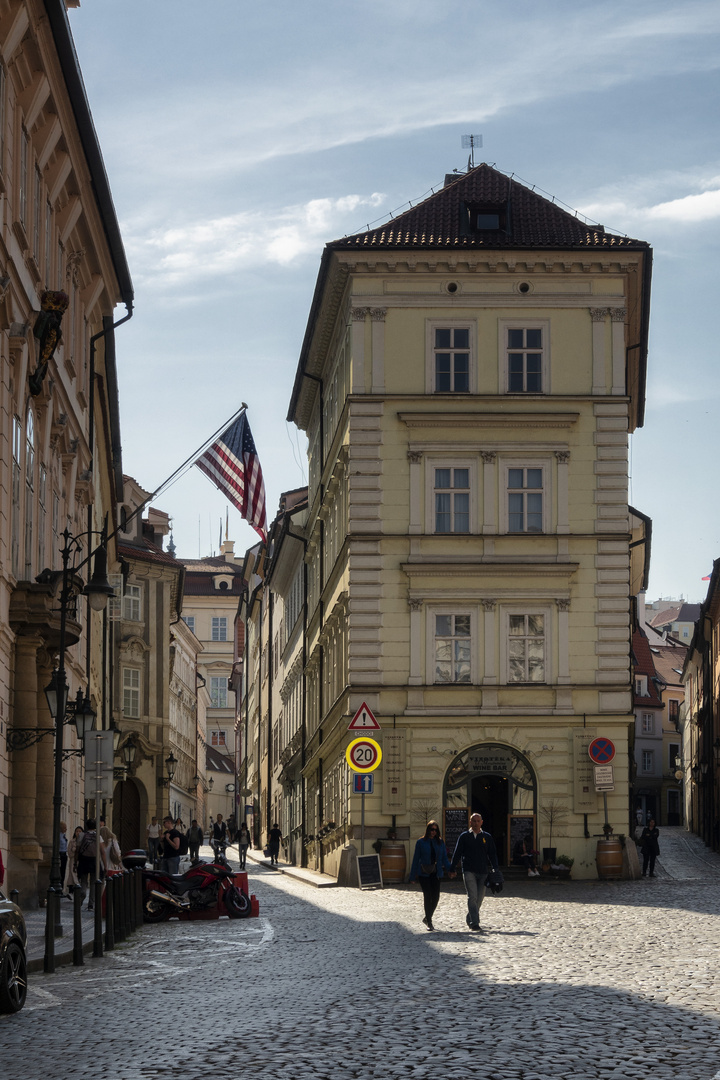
(474, 853)
(169, 841)
(85, 852)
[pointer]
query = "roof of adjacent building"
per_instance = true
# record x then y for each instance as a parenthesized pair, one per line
(680, 612)
(149, 552)
(644, 664)
(669, 659)
(441, 220)
(217, 761)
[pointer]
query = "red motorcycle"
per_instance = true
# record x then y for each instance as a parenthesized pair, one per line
(206, 891)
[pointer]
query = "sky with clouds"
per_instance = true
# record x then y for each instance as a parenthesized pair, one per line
(239, 138)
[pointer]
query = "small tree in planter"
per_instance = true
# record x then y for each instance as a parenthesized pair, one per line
(553, 812)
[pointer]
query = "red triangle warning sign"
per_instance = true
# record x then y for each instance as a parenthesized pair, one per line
(363, 720)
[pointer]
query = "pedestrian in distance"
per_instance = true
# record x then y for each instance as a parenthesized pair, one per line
(113, 857)
(63, 850)
(170, 847)
(475, 850)
(274, 838)
(430, 864)
(87, 850)
(153, 831)
(649, 847)
(70, 881)
(243, 839)
(525, 855)
(195, 839)
(219, 833)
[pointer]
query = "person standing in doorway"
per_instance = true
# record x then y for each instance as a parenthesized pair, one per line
(649, 847)
(430, 863)
(274, 838)
(475, 850)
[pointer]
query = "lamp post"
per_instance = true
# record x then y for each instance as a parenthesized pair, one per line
(98, 590)
(170, 767)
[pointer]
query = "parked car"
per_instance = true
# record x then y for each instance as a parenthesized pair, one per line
(13, 961)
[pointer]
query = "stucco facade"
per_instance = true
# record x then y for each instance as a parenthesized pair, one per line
(468, 380)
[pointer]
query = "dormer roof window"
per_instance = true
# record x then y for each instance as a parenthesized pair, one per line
(486, 217)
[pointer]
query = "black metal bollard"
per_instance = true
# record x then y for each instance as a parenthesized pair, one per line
(109, 914)
(139, 887)
(131, 899)
(119, 911)
(98, 937)
(127, 903)
(49, 958)
(77, 897)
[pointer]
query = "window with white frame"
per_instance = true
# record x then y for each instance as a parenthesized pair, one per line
(450, 357)
(526, 648)
(24, 167)
(16, 475)
(648, 723)
(131, 692)
(189, 621)
(114, 608)
(452, 642)
(132, 603)
(29, 493)
(219, 628)
(451, 490)
(42, 515)
(525, 500)
(641, 685)
(524, 356)
(648, 761)
(218, 691)
(673, 752)
(218, 738)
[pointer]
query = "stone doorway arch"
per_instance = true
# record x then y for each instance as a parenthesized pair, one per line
(498, 781)
(128, 815)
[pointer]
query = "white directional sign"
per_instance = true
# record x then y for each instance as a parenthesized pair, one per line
(604, 779)
(363, 720)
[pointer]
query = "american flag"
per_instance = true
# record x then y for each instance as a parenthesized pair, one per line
(233, 466)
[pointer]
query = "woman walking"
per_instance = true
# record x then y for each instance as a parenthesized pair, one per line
(430, 862)
(649, 847)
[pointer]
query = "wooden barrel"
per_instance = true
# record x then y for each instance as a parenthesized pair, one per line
(609, 858)
(392, 861)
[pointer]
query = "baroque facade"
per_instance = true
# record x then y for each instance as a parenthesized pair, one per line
(468, 380)
(62, 265)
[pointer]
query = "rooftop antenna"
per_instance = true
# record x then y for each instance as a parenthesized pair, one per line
(471, 141)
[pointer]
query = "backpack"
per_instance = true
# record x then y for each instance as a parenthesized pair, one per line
(184, 844)
(87, 848)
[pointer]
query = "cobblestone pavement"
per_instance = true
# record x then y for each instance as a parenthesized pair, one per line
(581, 980)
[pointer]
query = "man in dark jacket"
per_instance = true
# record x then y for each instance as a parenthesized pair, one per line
(476, 849)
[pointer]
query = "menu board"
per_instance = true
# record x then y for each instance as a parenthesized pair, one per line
(456, 820)
(520, 827)
(369, 872)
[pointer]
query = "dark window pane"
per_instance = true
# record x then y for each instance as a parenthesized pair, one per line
(442, 381)
(462, 625)
(515, 478)
(487, 221)
(534, 384)
(515, 339)
(462, 339)
(534, 339)
(442, 513)
(534, 362)
(534, 478)
(442, 478)
(442, 339)
(462, 384)
(442, 624)
(461, 478)
(462, 513)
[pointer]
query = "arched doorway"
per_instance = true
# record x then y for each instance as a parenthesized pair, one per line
(498, 782)
(127, 815)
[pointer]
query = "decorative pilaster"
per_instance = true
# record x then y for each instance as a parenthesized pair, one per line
(415, 459)
(563, 497)
(416, 641)
(490, 672)
(377, 316)
(563, 609)
(489, 494)
(358, 349)
(618, 316)
(599, 378)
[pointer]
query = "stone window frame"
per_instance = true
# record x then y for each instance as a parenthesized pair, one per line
(450, 323)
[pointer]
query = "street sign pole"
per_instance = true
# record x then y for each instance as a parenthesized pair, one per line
(362, 823)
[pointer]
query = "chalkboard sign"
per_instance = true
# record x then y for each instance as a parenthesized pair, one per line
(456, 820)
(369, 872)
(520, 827)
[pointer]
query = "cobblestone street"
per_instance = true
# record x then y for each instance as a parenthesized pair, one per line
(584, 980)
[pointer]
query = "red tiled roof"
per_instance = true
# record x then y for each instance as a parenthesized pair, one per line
(219, 760)
(645, 665)
(440, 221)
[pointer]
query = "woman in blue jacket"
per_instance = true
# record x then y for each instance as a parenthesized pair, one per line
(430, 862)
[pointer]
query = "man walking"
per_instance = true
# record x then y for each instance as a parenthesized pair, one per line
(195, 839)
(476, 849)
(170, 848)
(219, 836)
(153, 840)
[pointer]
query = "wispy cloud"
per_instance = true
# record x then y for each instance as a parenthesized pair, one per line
(204, 248)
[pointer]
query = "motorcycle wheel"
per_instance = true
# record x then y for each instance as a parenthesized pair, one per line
(237, 903)
(154, 911)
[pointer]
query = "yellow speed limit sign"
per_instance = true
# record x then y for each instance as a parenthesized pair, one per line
(363, 755)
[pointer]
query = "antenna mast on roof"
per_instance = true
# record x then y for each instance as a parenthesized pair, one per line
(471, 141)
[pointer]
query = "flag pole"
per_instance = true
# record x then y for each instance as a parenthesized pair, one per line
(188, 461)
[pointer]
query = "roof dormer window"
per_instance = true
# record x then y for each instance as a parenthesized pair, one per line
(485, 217)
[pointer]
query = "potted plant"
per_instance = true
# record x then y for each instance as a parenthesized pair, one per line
(562, 866)
(554, 812)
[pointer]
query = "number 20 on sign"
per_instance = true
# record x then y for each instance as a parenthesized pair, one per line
(363, 755)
